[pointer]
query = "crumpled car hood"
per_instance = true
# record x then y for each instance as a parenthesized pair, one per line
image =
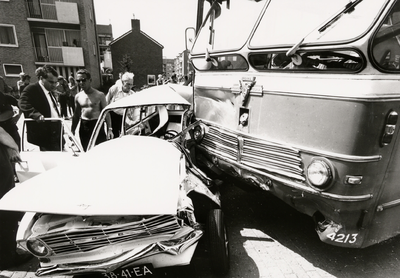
(123, 176)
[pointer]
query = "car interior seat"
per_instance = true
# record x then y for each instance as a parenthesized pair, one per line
(163, 118)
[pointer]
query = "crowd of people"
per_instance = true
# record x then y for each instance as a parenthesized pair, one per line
(185, 80)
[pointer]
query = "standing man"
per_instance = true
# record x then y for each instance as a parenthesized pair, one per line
(9, 154)
(63, 95)
(4, 88)
(160, 80)
(8, 120)
(88, 104)
(37, 102)
(115, 93)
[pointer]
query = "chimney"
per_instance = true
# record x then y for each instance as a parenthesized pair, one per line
(135, 25)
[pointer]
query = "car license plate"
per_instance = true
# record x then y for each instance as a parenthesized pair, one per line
(132, 271)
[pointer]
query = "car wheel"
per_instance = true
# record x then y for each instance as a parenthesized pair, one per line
(218, 242)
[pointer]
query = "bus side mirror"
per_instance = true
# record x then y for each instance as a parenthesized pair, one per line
(190, 35)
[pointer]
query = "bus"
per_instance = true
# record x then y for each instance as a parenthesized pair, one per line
(301, 99)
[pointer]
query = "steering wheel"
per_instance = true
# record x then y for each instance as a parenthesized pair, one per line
(169, 134)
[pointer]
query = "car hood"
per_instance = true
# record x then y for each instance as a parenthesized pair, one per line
(131, 175)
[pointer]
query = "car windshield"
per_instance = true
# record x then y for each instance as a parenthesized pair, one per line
(285, 22)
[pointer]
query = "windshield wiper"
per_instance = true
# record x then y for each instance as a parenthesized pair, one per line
(345, 10)
(213, 13)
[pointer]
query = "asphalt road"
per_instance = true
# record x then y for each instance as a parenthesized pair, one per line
(268, 238)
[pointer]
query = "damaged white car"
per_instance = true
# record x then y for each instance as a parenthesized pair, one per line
(126, 206)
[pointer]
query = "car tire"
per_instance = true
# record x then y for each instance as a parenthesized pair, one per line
(218, 242)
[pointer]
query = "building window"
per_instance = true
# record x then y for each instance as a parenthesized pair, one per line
(8, 36)
(151, 79)
(12, 70)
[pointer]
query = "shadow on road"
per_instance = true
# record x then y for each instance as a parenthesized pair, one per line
(289, 237)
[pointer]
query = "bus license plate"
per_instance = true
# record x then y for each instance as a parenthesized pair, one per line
(146, 270)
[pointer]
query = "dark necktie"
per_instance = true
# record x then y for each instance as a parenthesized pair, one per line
(54, 103)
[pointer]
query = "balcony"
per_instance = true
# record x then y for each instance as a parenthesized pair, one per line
(60, 12)
(67, 56)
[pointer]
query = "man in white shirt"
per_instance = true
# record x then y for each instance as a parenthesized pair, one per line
(115, 93)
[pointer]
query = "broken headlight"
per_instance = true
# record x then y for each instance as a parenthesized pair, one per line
(37, 247)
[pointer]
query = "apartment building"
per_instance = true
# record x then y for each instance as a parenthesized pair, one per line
(168, 67)
(60, 33)
(182, 65)
(105, 36)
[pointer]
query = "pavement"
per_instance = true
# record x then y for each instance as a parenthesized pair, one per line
(26, 270)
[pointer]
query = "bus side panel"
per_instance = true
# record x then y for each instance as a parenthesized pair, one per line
(385, 222)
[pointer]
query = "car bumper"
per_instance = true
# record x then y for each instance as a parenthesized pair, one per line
(160, 254)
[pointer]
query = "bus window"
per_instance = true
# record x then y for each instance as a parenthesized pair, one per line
(221, 62)
(328, 61)
(229, 26)
(386, 43)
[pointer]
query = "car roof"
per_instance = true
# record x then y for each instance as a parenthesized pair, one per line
(156, 95)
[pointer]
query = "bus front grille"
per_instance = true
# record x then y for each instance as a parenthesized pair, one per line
(253, 152)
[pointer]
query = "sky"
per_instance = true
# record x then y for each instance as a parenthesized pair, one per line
(163, 20)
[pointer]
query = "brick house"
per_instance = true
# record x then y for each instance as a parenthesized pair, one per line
(141, 54)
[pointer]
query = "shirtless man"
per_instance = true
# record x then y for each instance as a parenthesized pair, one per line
(88, 104)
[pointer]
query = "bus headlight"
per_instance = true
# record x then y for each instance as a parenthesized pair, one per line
(320, 173)
(37, 247)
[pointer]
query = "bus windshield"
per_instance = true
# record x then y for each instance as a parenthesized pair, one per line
(284, 23)
(229, 27)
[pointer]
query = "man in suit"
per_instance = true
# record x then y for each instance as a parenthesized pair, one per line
(37, 102)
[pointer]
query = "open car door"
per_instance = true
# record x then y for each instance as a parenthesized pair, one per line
(35, 161)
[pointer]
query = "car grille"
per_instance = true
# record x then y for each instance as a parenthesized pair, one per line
(88, 239)
(255, 153)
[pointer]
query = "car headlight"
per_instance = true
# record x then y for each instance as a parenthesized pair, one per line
(320, 173)
(198, 133)
(37, 247)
